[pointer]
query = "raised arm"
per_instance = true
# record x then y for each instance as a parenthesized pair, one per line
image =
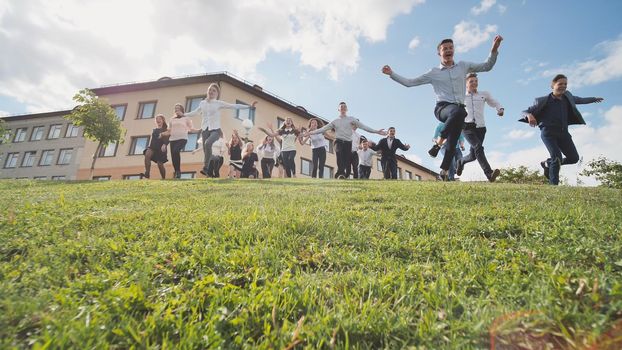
(321, 130)
(490, 61)
(423, 79)
(196, 112)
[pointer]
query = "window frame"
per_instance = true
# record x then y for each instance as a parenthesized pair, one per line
(141, 108)
(124, 105)
(330, 173)
(101, 178)
(408, 175)
(190, 98)
(60, 154)
(71, 127)
(32, 162)
(191, 174)
(21, 132)
(34, 132)
(195, 142)
(14, 158)
(53, 127)
(102, 151)
(43, 154)
(379, 165)
(132, 177)
(251, 111)
(133, 145)
(302, 162)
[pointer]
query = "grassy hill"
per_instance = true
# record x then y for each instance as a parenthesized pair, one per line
(308, 264)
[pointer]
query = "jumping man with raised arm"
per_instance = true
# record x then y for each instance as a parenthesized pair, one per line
(448, 81)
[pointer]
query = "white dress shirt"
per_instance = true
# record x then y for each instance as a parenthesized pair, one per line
(449, 83)
(210, 112)
(365, 156)
(475, 107)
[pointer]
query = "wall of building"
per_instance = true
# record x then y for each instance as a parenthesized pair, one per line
(54, 170)
(123, 164)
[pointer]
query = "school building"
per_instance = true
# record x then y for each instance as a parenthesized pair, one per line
(47, 146)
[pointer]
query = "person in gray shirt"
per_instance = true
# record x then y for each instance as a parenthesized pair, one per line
(449, 83)
(343, 138)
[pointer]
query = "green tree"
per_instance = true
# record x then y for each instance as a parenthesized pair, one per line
(521, 175)
(608, 172)
(5, 132)
(98, 119)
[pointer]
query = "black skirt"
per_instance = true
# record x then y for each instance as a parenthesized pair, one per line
(157, 155)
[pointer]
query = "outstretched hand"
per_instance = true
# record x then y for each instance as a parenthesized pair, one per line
(532, 120)
(382, 132)
(407, 146)
(599, 99)
(496, 42)
(500, 112)
(387, 70)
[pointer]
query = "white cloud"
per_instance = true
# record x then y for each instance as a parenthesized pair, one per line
(413, 157)
(502, 8)
(588, 72)
(468, 35)
(520, 134)
(414, 43)
(591, 142)
(59, 47)
(483, 7)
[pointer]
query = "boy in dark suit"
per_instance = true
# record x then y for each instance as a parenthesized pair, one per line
(553, 113)
(388, 146)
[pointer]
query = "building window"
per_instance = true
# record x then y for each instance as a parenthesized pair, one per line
(64, 157)
(418, 177)
(399, 173)
(305, 167)
(11, 160)
(279, 122)
(101, 178)
(37, 133)
(409, 175)
(331, 146)
(328, 172)
(243, 114)
(72, 131)
(146, 110)
(193, 102)
(20, 135)
(132, 177)
(60, 177)
(40, 177)
(188, 175)
(192, 143)
(29, 159)
(138, 145)
(119, 110)
(108, 151)
(378, 165)
(46, 157)
(54, 132)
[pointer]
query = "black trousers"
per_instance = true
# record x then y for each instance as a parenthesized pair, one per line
(318, 162)
(475, 138)
(289, 162)
(355, 165)
(267, 164)
(452, 115)
(343, 151)
(176, 147)
(364, 171)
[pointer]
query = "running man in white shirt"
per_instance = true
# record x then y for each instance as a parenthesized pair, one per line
(475, 127)
(448, 81)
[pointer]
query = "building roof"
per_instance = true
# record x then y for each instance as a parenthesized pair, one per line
(36, 115)
(205, 79)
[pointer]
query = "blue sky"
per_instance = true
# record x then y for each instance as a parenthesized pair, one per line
(321, 52)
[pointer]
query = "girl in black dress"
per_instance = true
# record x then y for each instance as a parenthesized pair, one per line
(235, 155)
(156, 151)
(249, 159)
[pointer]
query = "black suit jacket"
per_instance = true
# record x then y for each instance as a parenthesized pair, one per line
(388, 153)
(574, 116)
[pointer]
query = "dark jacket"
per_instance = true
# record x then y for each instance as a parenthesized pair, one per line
(383, 147)
(574, 116)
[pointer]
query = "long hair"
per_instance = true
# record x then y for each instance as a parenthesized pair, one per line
(284, 126)
(181, 107)
(318, 121)
(246, 152)
(217, 89)
(164, 125)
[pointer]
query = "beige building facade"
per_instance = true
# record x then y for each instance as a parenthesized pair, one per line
(137, 104)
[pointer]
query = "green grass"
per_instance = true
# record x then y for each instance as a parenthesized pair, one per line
(306, 264)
